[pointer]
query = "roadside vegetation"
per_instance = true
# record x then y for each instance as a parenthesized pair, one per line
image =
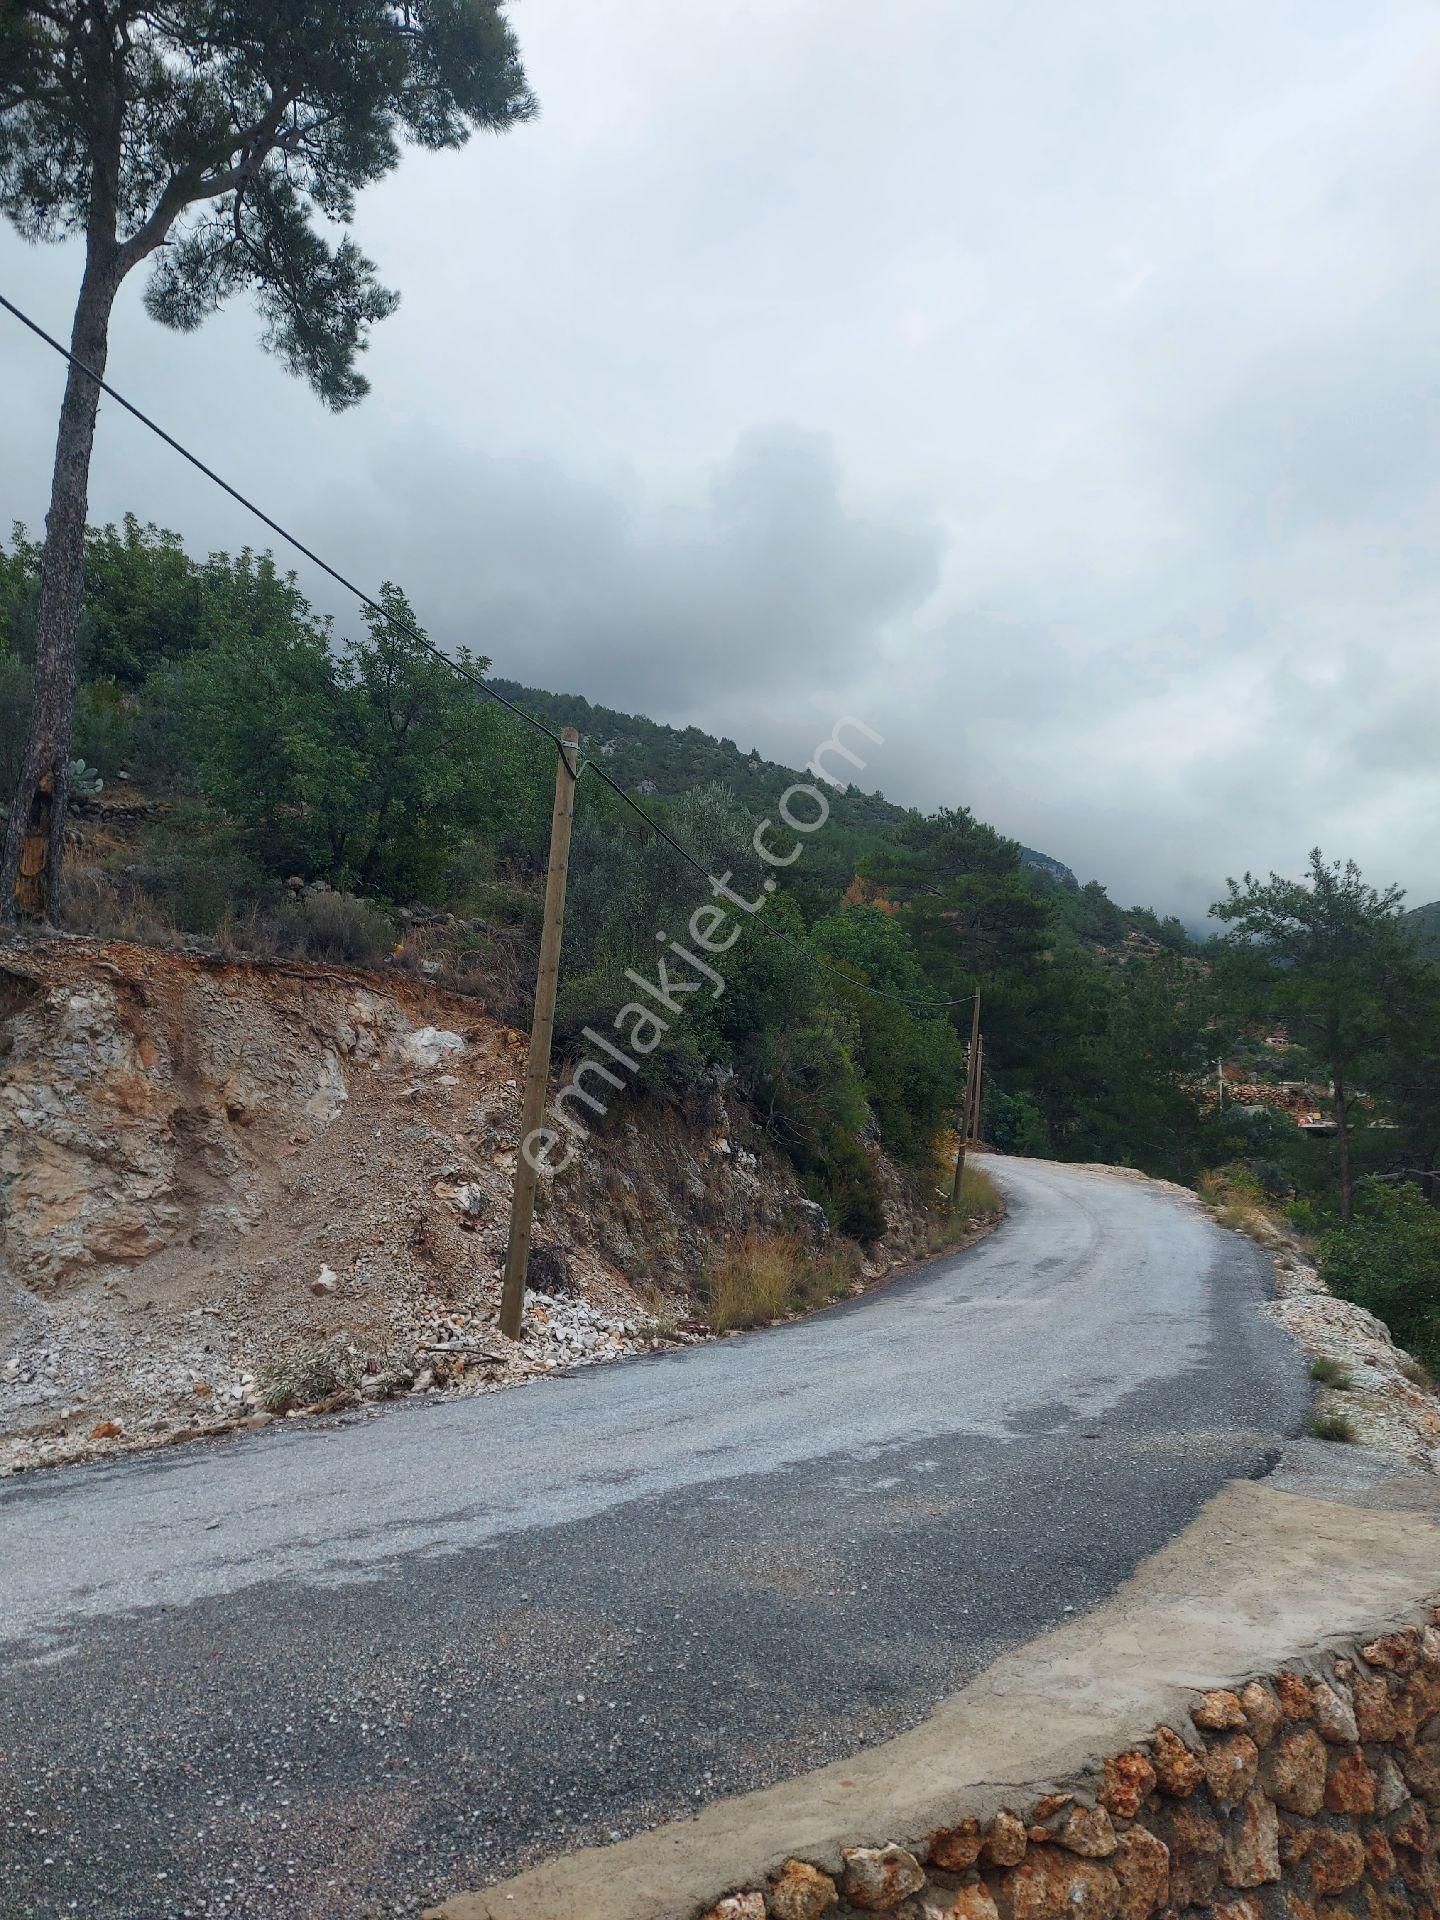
(765, 1278)
(979, 1205)
(1333, 1426)
(259, 782)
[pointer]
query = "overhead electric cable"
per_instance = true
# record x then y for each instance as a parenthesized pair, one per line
(414, 633)
(274, 525)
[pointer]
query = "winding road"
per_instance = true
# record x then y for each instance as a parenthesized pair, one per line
(342, 1673)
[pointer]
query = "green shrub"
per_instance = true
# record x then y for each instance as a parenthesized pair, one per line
(197, 880)
(1274, 1179)
(1014, 1124)
(334, 928)
(1388, 1259)
(105, 727)
(1332, 1426)
(1233, 1186)
(1305, 1217)
(848, 1187)
(1330, 1373)
(303, 1375)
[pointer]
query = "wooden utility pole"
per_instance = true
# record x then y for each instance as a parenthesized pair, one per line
(974, 1130)
(542, 1027)
(968, 1102)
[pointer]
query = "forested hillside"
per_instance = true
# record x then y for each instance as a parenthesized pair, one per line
(261, 781)
(645, 755)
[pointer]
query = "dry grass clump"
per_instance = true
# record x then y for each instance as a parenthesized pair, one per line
(980, 1201)
(979, 1195)
(1239, 1202)
(767, 1277)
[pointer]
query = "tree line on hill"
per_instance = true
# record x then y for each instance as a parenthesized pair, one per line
(277, 757)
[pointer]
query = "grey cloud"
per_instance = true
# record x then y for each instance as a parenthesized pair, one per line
(1053, 386)
(761, 577)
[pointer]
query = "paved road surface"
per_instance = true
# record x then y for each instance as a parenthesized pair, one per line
(322, 1675)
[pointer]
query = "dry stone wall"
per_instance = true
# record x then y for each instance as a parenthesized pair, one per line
(1305, 1795)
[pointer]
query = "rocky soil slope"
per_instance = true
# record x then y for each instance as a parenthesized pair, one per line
(209, 1169)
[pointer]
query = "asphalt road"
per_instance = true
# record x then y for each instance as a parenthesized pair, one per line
(328, 1674)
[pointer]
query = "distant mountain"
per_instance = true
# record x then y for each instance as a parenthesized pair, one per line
(1426, 922)
(646, 757)
(1043, 863)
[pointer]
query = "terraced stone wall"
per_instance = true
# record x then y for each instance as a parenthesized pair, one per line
(1308, 1794)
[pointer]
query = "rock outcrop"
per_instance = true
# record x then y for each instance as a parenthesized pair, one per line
(205, 1163)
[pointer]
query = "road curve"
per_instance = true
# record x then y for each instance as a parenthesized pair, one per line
(345, 1672)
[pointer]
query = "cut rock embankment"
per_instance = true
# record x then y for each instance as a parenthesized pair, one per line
(207, 1166)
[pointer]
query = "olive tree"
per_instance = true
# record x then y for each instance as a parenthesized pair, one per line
(223, 142)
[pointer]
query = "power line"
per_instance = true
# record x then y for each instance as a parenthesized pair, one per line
(274, 525)
(428, 646)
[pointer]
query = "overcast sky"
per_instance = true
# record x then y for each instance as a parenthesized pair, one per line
(1053, 387)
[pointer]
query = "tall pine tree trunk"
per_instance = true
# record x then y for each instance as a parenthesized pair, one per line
(35, 834)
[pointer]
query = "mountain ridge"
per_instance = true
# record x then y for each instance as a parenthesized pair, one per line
(650, 757)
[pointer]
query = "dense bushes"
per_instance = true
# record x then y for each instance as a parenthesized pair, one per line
(1388, 1259)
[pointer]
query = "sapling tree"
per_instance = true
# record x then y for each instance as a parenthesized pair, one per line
(222, 142)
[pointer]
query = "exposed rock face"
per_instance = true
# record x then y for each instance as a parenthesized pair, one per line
(1351, 1786)
(1251, 1850)
(801, 1892)
(1294, 1771)
(738, 1906)
(1053, 1884)
(1142, 1868)
(1005, 1843)
(953, 1849)
(1177, 1770)
(973, 1901)
(1195, 1839)
(1219, 1711)
(1083, 1830)
(877, 1879)
(1272, 1816)
(1230, 1768)
(1262, 1712)
(1335, 1713)
(203, 1163)
(1128, 1781)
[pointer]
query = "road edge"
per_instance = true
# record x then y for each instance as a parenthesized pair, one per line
(1260, 1577)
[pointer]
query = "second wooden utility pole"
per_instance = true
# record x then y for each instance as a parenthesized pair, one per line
(542, 1027)
(977, 1096)
(968, 1103)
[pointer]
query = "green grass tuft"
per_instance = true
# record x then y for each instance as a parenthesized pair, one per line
(1330, 1373)
(1333, 1426)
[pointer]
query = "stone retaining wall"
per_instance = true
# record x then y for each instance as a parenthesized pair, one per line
(1304, 1795)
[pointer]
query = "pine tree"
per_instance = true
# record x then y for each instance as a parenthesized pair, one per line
(217, 140)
